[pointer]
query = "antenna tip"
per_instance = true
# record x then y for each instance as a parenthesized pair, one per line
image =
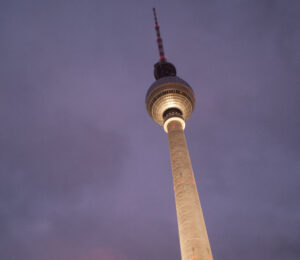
(154, 11)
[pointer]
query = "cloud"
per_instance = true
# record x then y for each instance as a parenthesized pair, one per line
(49, 175)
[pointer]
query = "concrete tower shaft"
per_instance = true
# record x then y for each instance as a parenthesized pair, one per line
(194, 243)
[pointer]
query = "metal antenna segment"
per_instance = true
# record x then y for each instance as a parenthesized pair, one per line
(159, 39)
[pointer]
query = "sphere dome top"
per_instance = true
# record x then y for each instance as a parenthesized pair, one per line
(169, 96)
(164, 80)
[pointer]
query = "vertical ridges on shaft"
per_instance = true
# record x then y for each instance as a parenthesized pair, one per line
(159, 39)
(194, 243)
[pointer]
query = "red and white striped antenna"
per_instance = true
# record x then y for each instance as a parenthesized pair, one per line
(159, 39)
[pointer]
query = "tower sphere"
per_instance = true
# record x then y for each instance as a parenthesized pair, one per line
(169, 96)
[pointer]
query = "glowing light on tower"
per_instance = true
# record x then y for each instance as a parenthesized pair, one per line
(170, 101)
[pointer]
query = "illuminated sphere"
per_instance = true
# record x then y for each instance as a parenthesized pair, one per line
(170, 96)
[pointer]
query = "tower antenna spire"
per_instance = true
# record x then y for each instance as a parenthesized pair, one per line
(159, 39)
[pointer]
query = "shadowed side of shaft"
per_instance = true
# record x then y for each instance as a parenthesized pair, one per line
(194, 243)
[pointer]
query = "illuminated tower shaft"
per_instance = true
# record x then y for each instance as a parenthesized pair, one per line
(194, 243)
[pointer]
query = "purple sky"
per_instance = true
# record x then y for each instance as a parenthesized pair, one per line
(84, 171)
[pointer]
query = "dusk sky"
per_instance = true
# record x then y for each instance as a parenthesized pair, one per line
(85, 173)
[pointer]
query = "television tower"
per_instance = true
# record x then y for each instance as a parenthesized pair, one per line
(170, 102)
